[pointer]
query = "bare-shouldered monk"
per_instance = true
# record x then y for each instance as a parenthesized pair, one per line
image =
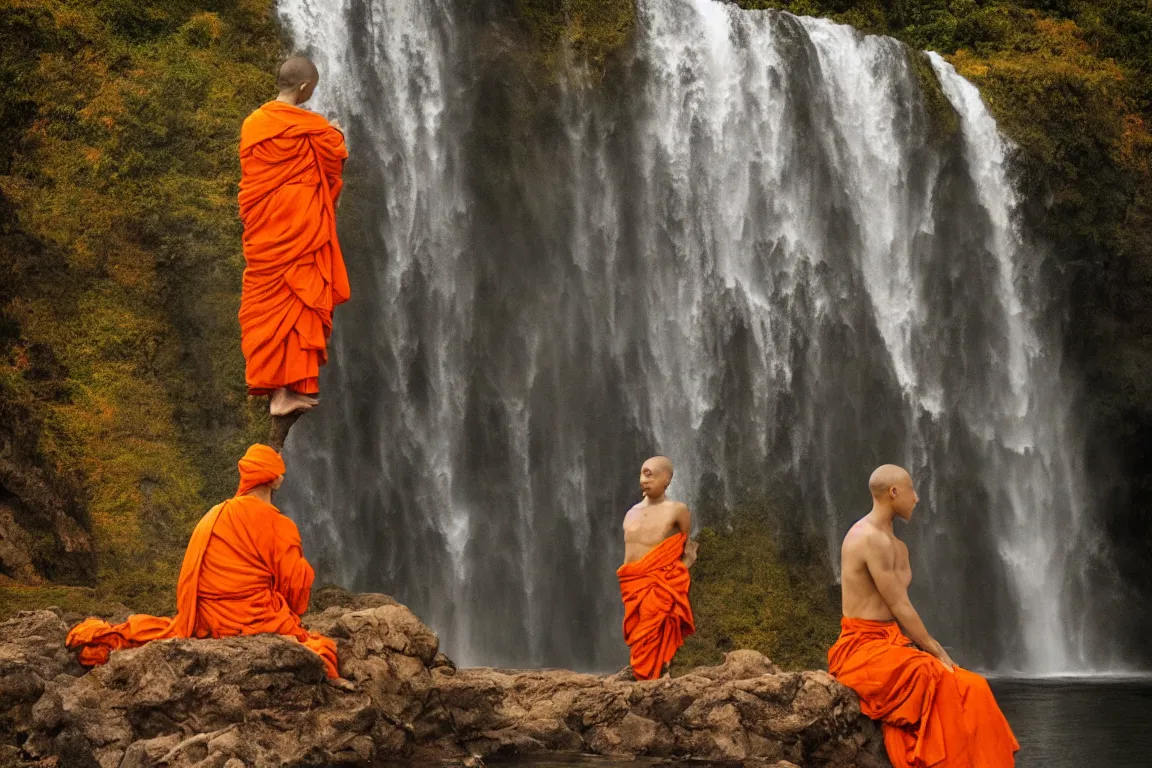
(874, 564)
(656, 517)
(908, 681)
(654, 579)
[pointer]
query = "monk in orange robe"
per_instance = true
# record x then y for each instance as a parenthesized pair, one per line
(933, 713)
(654, 579)
(244, 573)
(291, 163)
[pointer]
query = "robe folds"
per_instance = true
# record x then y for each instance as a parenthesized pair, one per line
(244, 573)
(291, 166)
(932, 718)
(657, 614)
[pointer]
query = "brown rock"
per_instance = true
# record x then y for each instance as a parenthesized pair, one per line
(15, 549)
(263, 700)
(32, 654)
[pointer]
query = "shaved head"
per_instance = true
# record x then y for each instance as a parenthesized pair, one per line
(892, 490)
(660, 464)
(887, 476)
(655, 476)
(295, 72)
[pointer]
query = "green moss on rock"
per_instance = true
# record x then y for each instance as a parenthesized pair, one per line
(749, 592)
(944, 122)
(592, 29)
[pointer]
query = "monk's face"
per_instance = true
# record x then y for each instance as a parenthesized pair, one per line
(904, 499)
(279, 481)
(654, 479)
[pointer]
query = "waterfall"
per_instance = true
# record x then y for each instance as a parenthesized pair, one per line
(758, 250)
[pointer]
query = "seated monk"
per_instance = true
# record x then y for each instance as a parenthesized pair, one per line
(933, 712)
(291, 162)
(244, 573)
(654, 579)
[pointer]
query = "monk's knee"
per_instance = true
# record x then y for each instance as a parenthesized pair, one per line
(973, 685)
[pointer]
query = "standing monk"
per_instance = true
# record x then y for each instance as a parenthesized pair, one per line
(934, 713)
(654, 579)
(291, 161)
(244, 573)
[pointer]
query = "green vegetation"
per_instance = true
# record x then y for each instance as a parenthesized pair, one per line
(119, 354)
(71, 600)
(751, 591)
(592, 29)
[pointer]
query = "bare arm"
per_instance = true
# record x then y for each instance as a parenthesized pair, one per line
(881, 561)
(684, 523)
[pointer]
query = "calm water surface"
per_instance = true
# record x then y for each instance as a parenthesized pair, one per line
(1079, 723)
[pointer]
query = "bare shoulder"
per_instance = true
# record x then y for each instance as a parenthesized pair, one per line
(677, 510)
(864, 538)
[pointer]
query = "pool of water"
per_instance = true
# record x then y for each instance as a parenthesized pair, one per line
(1079, 723)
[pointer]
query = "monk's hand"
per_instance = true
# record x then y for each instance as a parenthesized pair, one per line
(945, 659)
(689, 555)
(336, 124)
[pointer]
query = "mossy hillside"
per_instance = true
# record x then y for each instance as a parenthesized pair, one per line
(76, 601)
(592, 30)
(755, 587)
(124, 179)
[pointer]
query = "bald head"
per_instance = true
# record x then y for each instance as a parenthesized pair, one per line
(660, 464)
(891, 488)
(886, 477)
(296, 71)
(655, 476)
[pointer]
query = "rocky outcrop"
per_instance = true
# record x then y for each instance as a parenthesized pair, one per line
(264, 701)
(32, 655)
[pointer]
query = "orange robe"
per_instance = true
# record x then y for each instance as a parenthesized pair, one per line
(657, 615)
(931, 717)
(291, 161)
(244, 573)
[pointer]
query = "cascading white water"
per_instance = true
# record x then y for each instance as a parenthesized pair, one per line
(757, 252)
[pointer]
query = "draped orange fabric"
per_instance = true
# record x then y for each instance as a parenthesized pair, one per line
(259, 466)
(244, 573)
(931, 717)
(657, 615)
(291, 162)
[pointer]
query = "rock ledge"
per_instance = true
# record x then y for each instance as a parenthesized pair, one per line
(263, 701)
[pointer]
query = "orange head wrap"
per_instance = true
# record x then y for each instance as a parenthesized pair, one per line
(260, 465)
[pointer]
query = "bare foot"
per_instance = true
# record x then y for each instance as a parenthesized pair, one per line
(285, 401)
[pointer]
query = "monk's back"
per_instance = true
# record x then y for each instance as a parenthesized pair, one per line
(253, 566)
(235, 556)
(860, 599)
